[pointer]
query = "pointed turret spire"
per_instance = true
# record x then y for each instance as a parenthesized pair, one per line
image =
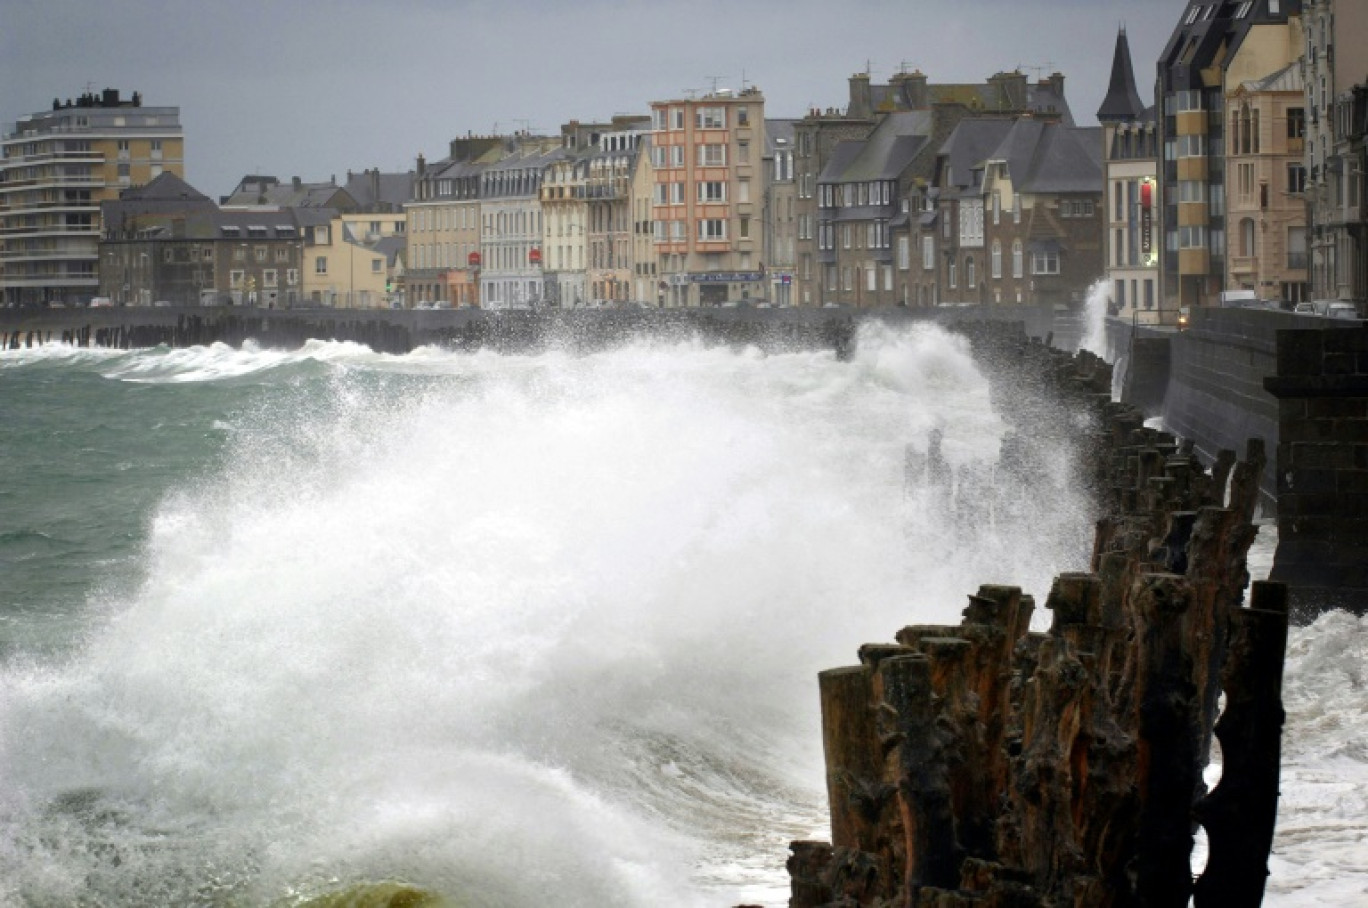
(1122, 101)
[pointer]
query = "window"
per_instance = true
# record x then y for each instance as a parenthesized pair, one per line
(743, 228)
(743, 152)
(1296, 178)
(321, 236)
(711, 155)
(710, 118)
(259, 253)
(928, 253)
(712, 229)
(845, 236)
(676, 118)
(742, 116)
(970, 273)
(952, 276)
(376, 265)
(235, 278)
(997, 207)
(270, 278)
(676, 155)
(1045, 263)
(1296, 123)
(712, 191)
(743, 193)
(997, 260)
(321, 265)
(871, 279)
(291, 276)
(1016, 259)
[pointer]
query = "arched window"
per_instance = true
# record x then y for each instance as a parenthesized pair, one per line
(997, 259)
(1017, 263)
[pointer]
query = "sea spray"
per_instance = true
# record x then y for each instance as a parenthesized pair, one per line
(517, 630)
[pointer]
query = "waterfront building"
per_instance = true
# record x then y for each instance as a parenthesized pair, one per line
(611, 159)
(565, 217)
(165, 242)
(342, 229)
(511, 231)
(780, 220)
(346, 264)
(858, 147)
(1265, 187)
(56, 169)
(442, 259)
(709, 191)
(647, 288)
(1017, 214)
(1216, 48)
(1130, 206)
(1335, 76)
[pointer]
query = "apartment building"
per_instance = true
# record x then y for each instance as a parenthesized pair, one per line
(608, 183)
(1265, 187)
(1017, 213)
(511, 224)
(1216, 48)
(779, 246)
(165, 242)
(443, 259)
(886, 140)
(565, 240)
(1335, 76)
(709, 196)
(56, 169)
(1130, 205)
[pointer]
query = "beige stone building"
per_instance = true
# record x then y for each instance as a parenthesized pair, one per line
(346, 263)
(1215, 49)
(56, 168)
(709, 195)
(443, 259)
(1265, 187)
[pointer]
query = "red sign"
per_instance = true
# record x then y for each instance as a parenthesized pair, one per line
(1146, 193)
(534, 256)
(473, 260)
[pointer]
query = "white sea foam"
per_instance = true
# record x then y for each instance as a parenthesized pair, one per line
(526, 630)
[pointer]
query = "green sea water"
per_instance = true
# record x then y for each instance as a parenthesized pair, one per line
(84, 460)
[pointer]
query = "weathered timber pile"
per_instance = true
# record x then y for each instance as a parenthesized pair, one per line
(986, 764)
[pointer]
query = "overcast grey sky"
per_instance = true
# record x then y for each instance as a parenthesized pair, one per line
(316, 87)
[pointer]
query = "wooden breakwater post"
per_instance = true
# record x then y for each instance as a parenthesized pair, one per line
(985, 764)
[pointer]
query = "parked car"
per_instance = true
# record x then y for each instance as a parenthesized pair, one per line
(1342, 310)
(101, 302)
(1304, 308)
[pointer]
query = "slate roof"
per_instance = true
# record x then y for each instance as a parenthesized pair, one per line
(268, 191)
(776, 130)
(969, 145)
(375, 190)
(885, 154)
(164, 188)
(1122, 102)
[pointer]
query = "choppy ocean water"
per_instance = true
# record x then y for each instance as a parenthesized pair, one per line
(511, 630)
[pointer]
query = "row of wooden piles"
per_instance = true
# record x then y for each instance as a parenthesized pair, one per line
(985, 764)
